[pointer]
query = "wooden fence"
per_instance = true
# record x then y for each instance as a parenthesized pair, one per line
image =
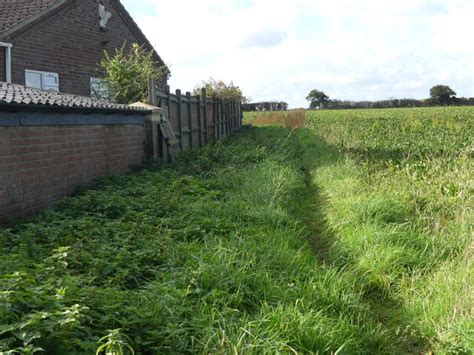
(196, 120)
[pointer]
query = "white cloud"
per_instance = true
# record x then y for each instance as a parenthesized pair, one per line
(264, 38)
(275, 49)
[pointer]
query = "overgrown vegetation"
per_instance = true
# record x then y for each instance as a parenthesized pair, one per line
(125, 75)
(221, 90)
(351, 236)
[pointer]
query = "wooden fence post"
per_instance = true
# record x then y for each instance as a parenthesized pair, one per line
(241, 115)
(180, 118)
(227, 118)
(199, 119)
(223, 120)
(168, 102)
(219, 117)
(152, 91)
(238, 115)
(229, 110)
(216, 118)
(190, 120)
(234, 117)
(206, 126)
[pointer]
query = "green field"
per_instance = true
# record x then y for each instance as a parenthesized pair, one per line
(352, 234)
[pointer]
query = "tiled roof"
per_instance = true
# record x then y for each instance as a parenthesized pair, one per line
(11, 94)
(14, 12)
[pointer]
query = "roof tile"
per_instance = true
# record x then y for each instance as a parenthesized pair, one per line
(14, 12)
(21, 95)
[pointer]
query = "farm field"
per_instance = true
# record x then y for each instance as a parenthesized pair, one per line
(327, 231)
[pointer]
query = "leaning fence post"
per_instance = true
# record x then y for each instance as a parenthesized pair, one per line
(180, 118)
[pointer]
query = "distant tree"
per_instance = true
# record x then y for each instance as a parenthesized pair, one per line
(125, 75)
(442, 95)
(317, 99)
(221, 90)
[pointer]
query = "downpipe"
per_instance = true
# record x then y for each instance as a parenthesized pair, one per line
(8, 60)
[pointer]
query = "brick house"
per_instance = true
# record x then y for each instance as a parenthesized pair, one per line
(57, 44)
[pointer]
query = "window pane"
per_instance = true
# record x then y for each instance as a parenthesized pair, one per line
(50, 81)
(33, 80)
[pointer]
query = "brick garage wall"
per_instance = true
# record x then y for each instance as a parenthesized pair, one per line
(69, 42)
(40, 164)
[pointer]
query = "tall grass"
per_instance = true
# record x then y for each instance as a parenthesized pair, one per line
(397, 186)
(288, 119)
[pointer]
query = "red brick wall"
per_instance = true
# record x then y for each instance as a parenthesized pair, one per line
(70, 43)
(40, 164)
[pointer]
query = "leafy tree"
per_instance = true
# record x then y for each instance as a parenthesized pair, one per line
(442, 95)
(317, 99)
(126, 75)
(222, 90)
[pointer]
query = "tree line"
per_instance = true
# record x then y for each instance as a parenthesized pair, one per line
(440, 95)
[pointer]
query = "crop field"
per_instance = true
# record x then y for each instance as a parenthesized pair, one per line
(342, 232)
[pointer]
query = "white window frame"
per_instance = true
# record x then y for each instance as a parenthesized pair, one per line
(43, 75)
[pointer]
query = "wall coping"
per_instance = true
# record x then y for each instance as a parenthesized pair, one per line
(28, 118)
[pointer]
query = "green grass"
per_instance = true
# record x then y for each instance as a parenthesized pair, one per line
(351, 235)
(398, 188)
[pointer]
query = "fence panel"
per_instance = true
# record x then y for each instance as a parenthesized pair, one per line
(196, 120)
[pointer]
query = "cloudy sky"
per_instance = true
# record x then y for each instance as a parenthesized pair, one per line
(280, 50)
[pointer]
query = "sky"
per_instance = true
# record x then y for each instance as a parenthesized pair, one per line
(281, 50)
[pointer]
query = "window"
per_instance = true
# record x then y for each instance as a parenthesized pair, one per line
(98, 89)
(42, 80)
